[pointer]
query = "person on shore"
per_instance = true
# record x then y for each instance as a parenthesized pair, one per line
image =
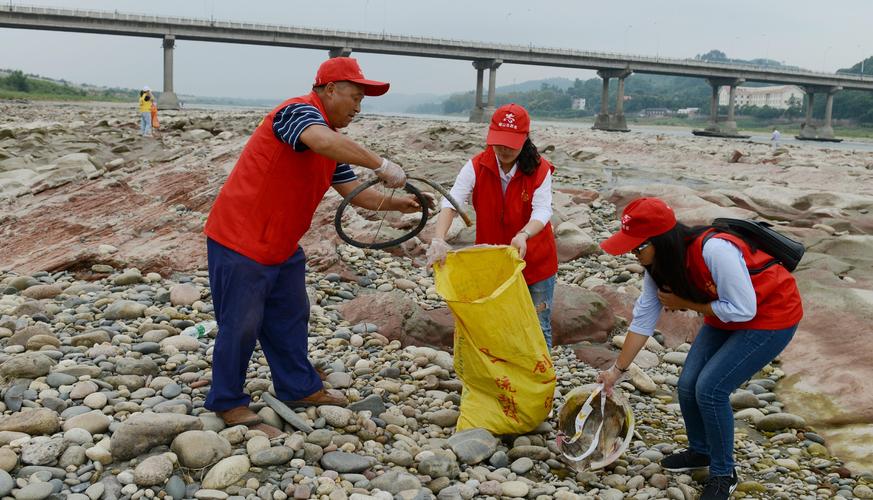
(256, 265)
(775, 138)
(511, 189)
(146, 99)
(751, 309)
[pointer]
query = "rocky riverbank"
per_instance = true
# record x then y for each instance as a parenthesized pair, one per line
(103, 266)
(105, 399)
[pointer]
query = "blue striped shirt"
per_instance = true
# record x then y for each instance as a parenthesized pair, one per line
(736, 300)
(292, 120)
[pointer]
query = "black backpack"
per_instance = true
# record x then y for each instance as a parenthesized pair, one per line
(784, 250)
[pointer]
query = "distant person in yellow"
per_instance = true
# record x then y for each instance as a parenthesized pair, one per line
(146, 99)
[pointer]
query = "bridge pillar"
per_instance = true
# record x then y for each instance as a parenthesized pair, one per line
(339, 52)
(168, 99)
(604, 97)
(809, 130)
(829, 109)
(619, 98)
(612, 122)
(732, 99)
(810, 103)
(481, 112)
(722, 128)
(478, 110)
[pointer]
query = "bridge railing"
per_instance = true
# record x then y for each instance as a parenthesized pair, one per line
(529, 49)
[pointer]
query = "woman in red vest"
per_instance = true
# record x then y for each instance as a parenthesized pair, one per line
(511, 189)
(751, 309)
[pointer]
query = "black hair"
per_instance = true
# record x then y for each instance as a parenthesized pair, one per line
(529, 158)
(669, 269)
(141, 92)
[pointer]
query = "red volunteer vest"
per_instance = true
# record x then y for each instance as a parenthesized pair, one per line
(779, 303)
(268, 201)
(500, 217)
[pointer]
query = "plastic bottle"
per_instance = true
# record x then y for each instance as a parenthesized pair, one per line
(200, 330)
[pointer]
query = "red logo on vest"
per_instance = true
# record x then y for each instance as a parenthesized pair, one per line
(525, 196)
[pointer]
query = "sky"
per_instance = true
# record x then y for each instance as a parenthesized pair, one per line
(825, 37)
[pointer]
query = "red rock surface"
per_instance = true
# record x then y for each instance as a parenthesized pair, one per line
(152, 206)
(580, 315)
(402, 319)
(677, 327)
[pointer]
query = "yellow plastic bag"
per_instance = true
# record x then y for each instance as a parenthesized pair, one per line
(500, 353)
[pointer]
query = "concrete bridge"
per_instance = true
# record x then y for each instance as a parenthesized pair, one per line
(483, 56)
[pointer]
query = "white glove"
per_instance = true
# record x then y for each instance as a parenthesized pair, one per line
(610, 377)
(436, 251)
(520, 243)
(391, 174)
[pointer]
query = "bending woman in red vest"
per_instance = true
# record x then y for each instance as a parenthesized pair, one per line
(511, 189)
(751, 309)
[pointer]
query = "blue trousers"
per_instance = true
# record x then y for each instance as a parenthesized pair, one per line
(254, 302)
(145, 123)
(542, 293)
(720, 361)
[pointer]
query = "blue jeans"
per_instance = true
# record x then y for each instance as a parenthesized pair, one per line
(718, 362)
(542, 293)
(145, 123)
(254, 302)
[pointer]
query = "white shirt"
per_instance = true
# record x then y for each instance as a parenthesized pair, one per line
(466, 180)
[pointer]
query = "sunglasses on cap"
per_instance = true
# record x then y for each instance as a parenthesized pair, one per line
(641, 247)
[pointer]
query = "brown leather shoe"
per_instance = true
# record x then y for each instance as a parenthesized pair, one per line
(241, 415)
(269, 430)
(320, 398)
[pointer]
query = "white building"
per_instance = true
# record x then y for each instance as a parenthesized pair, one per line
(578, 103)
(779, 97)
(689, 112)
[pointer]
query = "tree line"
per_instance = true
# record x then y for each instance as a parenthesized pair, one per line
(18, 84)
(656, 91)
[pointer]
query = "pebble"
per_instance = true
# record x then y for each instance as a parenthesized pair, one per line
(34, 491)
(226, 472)
(779, 421)
(862, 491)
(6, 483)
(112, 373)
(473, 446)
(514, 489)
(522, 465)
(198, 449)
(152, 471)
(344, 462)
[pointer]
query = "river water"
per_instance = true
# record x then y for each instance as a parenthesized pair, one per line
(848, 144)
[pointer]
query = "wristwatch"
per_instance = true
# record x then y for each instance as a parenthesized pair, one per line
(525, 233)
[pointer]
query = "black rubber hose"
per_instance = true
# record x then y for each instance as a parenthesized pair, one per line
(409, 188)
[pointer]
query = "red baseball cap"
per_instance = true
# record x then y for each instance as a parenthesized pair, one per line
(510, 125)
(346, 69)
(640, 220)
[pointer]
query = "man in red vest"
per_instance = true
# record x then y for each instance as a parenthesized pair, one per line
(256, 266)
